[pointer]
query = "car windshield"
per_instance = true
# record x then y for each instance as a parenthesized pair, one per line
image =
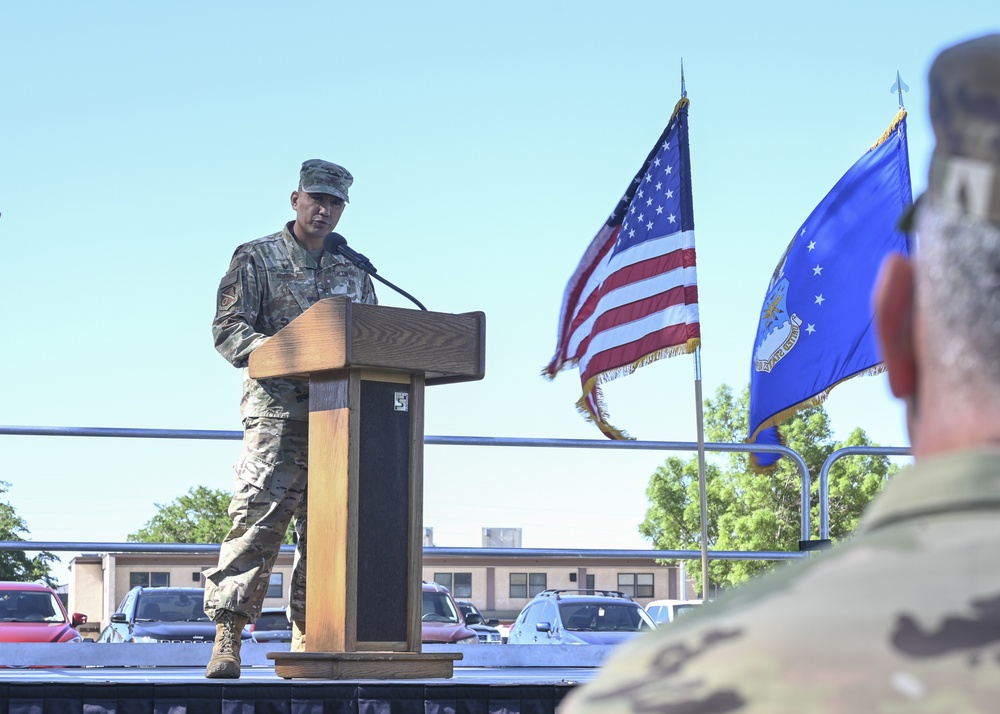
(29, 606)
(170, 607)
(604, 617)
(439, 608)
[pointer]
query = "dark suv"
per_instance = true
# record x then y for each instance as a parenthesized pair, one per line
(162, 615)
(485, 628)
(579, 617)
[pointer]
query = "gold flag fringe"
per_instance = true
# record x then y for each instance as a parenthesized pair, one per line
(785, 414)
(681, 103)
(593, 385)
(896, 121)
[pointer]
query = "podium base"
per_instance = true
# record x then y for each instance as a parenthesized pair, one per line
(364, 665)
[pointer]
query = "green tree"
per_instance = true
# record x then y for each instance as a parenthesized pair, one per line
(199, 516)
(757, 511)
(15, 564)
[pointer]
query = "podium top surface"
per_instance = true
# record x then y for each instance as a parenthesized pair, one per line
(337, 334)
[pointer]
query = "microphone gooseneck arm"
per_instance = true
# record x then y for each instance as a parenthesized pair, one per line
(336, 243)
(397, 289)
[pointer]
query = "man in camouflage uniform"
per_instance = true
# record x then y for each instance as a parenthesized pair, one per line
(271, 281)
(905, 616)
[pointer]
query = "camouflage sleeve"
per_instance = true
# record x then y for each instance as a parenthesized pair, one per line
(237, 307)
(368, 296)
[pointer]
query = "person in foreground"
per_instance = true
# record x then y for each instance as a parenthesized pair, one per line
(271, 281)
(905, 616)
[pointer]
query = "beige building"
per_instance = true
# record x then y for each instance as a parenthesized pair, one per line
(499, 584)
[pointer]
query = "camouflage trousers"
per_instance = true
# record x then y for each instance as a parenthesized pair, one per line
(271, 483)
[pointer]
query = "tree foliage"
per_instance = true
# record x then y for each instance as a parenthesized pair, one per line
(15, 564)
(199, 516)
(752, 511)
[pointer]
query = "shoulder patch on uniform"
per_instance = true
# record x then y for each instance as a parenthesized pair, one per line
(229, 290)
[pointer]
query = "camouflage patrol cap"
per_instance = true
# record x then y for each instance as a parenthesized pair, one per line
(964, 84)
(318, 176)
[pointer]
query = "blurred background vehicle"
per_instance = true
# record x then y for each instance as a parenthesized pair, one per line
(663, 611)
(442, 622)
(579, 617)
(272, 625)
(162, 614)
(504, 629)
(474, 619)
(32, 612)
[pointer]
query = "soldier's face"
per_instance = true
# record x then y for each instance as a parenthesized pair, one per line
(316, 214)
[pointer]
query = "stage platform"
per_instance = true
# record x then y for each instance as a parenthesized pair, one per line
(533, 681)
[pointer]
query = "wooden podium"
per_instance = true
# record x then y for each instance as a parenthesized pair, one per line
(367, 366)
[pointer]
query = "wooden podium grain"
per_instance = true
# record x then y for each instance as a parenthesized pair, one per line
(367, 367)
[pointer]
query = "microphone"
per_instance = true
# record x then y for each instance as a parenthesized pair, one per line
(336, 243)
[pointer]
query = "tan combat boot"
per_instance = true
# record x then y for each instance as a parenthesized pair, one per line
(298, 636)
(225, 662)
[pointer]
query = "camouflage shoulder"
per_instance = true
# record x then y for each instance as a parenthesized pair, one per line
(259, 246)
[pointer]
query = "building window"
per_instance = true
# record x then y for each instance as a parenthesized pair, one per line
(460, 584)
(149, 580)
(525, 585)
(443, 579)
(636, 585)
(274, 585)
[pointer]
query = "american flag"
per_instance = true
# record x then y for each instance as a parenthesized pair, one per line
(633, 298)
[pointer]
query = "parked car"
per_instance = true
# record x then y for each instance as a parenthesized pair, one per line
(442, 622)
(32, 612)
(579, 617)
(162, 615)
(486, 629)
(669, 610)
(504, 629)
(272, 625)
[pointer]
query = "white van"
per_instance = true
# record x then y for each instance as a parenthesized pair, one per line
(663, 611)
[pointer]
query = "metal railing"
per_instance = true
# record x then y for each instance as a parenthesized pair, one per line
(823, 486)
(824, 476)
(432, 550)
(116, 432)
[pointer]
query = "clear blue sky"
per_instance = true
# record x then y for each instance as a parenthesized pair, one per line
(142, 142)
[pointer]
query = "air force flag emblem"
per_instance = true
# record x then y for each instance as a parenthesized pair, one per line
(778, 330)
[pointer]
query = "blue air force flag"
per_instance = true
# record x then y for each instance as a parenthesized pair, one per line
(817, 326)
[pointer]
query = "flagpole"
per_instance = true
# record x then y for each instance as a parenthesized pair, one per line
(702, 488)
(700, 415)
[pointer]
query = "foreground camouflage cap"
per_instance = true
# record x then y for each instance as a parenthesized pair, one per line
(964, 84)
(318, 176)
